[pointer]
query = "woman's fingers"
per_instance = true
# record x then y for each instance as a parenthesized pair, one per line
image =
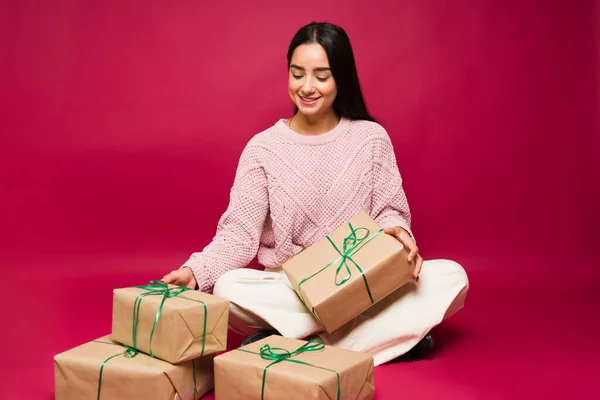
(414, 252)
(171, 277)
(391, 231)
(411, 246)
(405, 239)
(418, 266)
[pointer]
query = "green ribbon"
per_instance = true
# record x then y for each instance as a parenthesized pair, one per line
(129, 353)
(352, 244)
(160, 288)
(278, 355)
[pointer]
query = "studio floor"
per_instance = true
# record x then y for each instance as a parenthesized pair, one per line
(521, 335)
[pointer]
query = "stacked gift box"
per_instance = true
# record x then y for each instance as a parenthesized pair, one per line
(165, 338)
(163, 342)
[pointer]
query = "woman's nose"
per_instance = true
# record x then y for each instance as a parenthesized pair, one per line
(308, 86)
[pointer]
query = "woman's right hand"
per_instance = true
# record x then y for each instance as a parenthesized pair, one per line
(181, 277)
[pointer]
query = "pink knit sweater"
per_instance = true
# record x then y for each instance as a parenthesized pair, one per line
(291, 190)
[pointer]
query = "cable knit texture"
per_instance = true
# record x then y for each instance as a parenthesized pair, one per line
(291, 190)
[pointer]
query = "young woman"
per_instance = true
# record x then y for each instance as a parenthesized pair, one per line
(299, 180)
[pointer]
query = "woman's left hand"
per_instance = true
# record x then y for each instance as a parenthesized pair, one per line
(413, 251)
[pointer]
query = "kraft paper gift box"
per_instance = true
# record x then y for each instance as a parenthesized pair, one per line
(348, 271)
(172, 323)
(105, 370)
(282, 368)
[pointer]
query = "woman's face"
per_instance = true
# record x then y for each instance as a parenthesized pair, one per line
(311, 85)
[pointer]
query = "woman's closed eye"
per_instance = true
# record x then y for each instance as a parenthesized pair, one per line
(319, 78)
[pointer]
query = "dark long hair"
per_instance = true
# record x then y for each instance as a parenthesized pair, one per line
(349, 102)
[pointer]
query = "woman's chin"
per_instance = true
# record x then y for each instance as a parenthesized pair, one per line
(308, 111)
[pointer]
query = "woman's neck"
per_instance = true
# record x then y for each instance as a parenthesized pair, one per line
(313, 126)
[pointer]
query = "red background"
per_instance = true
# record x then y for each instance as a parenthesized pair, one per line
(122, 123)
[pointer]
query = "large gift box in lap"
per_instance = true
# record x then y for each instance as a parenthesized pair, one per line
(169, 322)
(277, 368)
(345, 273)
(103, 369)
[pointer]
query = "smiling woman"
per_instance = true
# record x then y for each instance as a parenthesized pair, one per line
(289, 192)
(313, 89)
(323, 82)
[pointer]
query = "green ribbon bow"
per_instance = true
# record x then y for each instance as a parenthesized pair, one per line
(129, 353)
(160, 288)
(278, 355)
(352, 244)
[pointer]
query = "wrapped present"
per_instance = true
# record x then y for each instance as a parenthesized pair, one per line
(103, 369)
(282, 368)
(172, 323)
(348, 271)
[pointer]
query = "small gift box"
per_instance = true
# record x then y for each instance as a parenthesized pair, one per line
(172, 323)
(103, 369)
(282, 368)
(348, 271)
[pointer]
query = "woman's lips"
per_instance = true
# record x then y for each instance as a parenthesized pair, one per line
(308, 101)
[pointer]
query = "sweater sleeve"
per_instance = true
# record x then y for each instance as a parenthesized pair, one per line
(238, 234)
(389, 206)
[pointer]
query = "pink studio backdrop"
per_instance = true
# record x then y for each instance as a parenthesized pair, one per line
(122, 123)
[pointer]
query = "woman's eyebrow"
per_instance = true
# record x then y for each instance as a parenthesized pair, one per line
(318, 69)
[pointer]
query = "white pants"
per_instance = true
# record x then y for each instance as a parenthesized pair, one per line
(266, 300)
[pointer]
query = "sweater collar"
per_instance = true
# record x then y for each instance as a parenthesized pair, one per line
(313, 139)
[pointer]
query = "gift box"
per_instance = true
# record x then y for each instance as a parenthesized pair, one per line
(169, 322)
(348, 271)
(103, 369)
(282, 368)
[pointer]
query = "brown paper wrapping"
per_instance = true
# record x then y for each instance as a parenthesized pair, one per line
(179, 332)
(238, 375)
(76, 375)
(383, 261)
